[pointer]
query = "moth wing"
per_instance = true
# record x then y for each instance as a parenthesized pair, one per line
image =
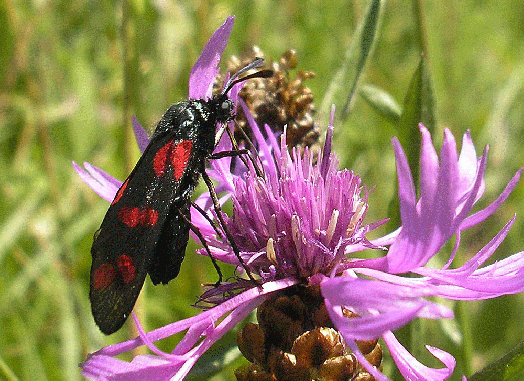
(126, 243)
(171, 247)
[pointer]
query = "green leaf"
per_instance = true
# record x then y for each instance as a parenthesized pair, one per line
(508, 368)
(418, 108)
(342, 86)
(382, 101)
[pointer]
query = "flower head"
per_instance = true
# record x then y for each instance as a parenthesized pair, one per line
(298, 224)
(298, 220)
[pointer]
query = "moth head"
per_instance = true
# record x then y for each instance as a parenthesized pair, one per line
(224, 109)
(224, 105)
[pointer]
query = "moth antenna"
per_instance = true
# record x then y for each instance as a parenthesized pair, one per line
(258, 62)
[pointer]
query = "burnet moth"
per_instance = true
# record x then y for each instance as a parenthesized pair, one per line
(146, 228)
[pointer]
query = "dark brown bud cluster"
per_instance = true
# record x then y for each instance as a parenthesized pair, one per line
(278, 101)
(295, 340)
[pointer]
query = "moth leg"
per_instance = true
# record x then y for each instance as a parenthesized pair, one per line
(248, 153)
(204, 214)
(229, 237)
(221, 154)
(197, 232)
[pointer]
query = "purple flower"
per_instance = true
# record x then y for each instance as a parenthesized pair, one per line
(299, 220)
(301, 223)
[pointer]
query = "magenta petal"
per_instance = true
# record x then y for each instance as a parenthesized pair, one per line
(213, 314)
(370, 327)
(140, 135)
(177, 365)
(429, 164)
(476, 261)
(382, 306)
(436, 216)
(400, 256)
(442, 210)
(103, 184)
(205, 69)
(466, 200)
(503, 277)
(412, 369)
(144, 367)
(449, 190)
(193, 335)
(468, 164)
(480, 216)
(216, 333)
(406, 191)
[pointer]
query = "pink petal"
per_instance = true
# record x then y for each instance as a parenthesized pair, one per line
(103, 184)
(205, 69)
(140, 135)
(412, 369)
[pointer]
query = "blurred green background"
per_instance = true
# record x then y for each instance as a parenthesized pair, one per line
(72, 73)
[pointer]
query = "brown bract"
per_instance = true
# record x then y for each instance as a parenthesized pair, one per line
(295, 340)
(278, 101)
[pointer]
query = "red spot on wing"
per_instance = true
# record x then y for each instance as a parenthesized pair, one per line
(120, 192)
(180, 157)
(161, 158)
(151, 217)
(133, 217)
(129, 216)
(103, 276)
(126, 268)
(177, 154)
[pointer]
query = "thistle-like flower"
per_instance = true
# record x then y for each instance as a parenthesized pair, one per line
(298, 222)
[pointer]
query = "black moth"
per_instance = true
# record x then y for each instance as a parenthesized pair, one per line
(146, 228)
